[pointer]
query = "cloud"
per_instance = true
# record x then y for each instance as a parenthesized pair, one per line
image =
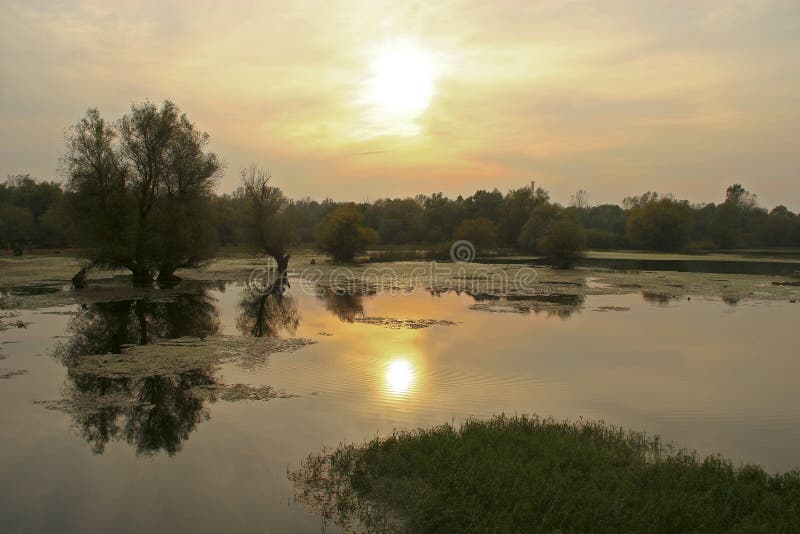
(616, 97)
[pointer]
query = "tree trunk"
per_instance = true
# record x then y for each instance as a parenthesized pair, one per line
(166, 273)
(282, 279)
(142, 276)
(79, 280)
(141, 319)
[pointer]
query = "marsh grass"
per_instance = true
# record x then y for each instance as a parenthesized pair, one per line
(524, 474)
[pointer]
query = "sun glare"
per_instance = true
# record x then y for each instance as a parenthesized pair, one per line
(402, 79)
(399, 376)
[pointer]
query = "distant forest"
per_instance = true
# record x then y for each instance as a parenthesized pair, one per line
(139, 191)
(35, 214)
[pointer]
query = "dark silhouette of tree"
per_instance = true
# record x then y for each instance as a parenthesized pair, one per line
(268, 223)
(110, 189)
(141, 190)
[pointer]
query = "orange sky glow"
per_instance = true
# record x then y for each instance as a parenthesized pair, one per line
(365, 99)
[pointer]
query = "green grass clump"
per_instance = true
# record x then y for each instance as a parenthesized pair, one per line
(526, 474)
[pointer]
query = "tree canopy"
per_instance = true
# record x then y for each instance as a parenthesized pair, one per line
(342, 233)
(140, 190)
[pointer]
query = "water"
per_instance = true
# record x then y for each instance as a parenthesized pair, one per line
(706, 374)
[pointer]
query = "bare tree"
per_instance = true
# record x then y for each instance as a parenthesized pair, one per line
(267, 223)
(580, 199)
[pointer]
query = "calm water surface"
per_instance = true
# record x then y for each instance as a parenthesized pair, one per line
(706, 374)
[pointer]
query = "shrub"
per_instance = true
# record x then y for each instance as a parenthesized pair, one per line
(564, 241)
(342, 234)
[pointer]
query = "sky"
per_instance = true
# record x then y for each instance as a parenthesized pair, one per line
(365, 99)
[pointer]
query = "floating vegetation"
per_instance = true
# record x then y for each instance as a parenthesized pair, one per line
(10, 374)
(658, 298)
(523, 474)
(8, 319)
(153, 396)
(411, 324)
(176, 356)
(241, 392)
(612, 308)
(143, 370)
(556, 305)
(500, 279)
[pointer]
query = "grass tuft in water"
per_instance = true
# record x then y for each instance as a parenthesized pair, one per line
(523, 474)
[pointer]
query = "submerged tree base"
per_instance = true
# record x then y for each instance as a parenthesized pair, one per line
(523, 474)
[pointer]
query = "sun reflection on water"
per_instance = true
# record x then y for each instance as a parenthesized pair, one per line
(399, 377)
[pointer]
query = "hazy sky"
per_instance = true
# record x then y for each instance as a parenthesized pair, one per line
(371, 98)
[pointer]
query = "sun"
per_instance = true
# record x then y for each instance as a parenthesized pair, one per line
(401, 84)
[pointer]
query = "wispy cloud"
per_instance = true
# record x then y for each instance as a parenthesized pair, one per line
(613, 96)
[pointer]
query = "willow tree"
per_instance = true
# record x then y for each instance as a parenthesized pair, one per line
(140, 190)
(267, 223)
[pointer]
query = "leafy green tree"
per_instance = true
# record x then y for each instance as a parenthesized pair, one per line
(40, 200)
(731, 217)
(514, 213)
(542, 216)
(398, 221)
(779, 228)
(342, 233)
(441, 217)
(139, 190)
(564, 241)
(486, 204)
(16, 227)
(480, 232)
(662, 224)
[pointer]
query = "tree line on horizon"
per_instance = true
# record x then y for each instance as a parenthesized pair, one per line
(139, 194)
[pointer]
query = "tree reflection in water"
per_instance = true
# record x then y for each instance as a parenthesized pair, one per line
(346, 306)
(150, 413)
(266, 315)
(562, 306)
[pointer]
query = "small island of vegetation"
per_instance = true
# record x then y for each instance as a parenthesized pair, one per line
(526, 474)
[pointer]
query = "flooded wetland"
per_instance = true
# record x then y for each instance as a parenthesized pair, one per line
(189, 406)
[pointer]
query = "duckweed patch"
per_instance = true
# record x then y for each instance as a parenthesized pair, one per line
(410, 324)
(176, 356)
(11, 374)
(612, 308)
